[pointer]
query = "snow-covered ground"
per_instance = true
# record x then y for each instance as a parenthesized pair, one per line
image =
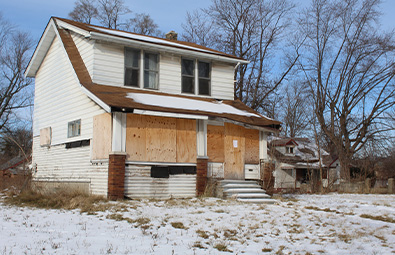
(305, 224)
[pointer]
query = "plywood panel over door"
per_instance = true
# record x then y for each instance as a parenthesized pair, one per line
(252, 146)
(101, 140)
(186, 141)
(234, 152)
(215, 143)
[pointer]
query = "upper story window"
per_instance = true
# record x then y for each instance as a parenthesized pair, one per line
(195, 77)
(74, 128)
(135, 61)
(289, 150)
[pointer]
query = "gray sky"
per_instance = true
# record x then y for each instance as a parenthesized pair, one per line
(33, 15)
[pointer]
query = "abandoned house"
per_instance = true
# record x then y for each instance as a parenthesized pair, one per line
(298, 163)
(122, 114)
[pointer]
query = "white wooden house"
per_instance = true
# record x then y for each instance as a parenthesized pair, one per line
(125, 114)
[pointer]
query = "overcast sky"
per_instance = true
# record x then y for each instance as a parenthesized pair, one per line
(33, 15)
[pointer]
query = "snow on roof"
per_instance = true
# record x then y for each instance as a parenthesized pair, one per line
(187, 104)
(147, 38)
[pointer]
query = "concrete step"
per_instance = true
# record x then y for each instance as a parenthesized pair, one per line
(225, 182)
(244, 190)
(257, 200)
(252, 195)
(241, 185)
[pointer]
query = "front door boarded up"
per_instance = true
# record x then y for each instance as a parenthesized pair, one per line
(234, 152)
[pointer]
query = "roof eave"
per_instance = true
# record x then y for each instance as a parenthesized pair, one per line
(190, 52)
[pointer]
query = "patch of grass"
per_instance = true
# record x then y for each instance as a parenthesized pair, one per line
(228, 233)
(61, 199)
(179, 225)
(380, 218)
(199, 245)
(219, 211)
(202, 234)
(222, 247)
(267, 250)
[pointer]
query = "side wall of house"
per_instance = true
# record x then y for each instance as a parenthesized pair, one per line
(108, 69)
(59, 100)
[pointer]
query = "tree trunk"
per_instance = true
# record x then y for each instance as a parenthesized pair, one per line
(345, 168)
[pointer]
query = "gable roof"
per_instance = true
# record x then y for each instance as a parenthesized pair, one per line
(126, 99)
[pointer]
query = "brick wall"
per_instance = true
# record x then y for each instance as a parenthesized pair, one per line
(116, 176)
(201, 175)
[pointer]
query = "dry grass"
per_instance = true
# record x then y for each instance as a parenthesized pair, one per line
(63, 199)
(222, 247)
(380, 218)
(179, 225)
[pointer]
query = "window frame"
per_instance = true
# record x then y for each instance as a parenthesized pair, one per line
(141, 69)
(73, 133)
(196, 77)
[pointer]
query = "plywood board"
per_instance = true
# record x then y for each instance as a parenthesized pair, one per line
(186, 141)
(161, 139)
(251, 146)
(234, 152)
(45, 136)
(101, 140)
(136, 137)
(215, 143)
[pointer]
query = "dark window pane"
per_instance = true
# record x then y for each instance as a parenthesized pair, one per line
(188, 84)
(151, 61)
(187, 67)
(132, 77)
(159, 172)
(132, 58)
(150, 79)
(204, 69)
(204, 87)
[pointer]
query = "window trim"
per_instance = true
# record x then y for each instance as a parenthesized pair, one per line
(70, 123)
(196, 77)
(141, 68)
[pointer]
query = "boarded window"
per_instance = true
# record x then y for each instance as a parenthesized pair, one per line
(45, 136)
(215, 143)
(251, 146)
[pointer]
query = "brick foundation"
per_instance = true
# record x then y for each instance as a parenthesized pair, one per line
(201, 175)
(116, 176)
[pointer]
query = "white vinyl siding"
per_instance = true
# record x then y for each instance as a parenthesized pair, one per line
(57, 164)
(222, 81)
(85, 48)
(109, 64)
(170, 73)
(59, 98)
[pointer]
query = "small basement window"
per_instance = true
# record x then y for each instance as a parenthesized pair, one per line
(77, 144)
(166, 171)
(74, 128)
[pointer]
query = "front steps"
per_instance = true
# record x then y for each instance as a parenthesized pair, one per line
(244, 191)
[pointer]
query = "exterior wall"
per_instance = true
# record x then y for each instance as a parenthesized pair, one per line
(140, 184)
(252, 171)
(108, 64)
(59, 98)
(108, 69)
(283, 180)
(215, 170)
(58, 164)
(85, 47)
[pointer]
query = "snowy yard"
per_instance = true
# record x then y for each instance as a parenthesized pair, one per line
(306, 224)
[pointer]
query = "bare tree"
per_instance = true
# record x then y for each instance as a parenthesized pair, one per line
(143, 24)
(296, 111)
(110, 12)
(14, 58)
(251, 29)
(84, 11)
(349, 65)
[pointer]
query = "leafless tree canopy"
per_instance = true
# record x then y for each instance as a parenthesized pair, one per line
(84, 11)
(349, 64)
(14, 57)
(110, 12)
(143, 24)
(295, 110)
(250, 29)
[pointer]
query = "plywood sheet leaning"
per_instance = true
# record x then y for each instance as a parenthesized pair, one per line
(161, 142)
(186, 141)
(136, 138)
(234, 152)
(101, 140)
(215, 143)
(252, 146)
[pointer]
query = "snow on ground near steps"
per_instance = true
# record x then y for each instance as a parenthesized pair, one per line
(315, 224)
